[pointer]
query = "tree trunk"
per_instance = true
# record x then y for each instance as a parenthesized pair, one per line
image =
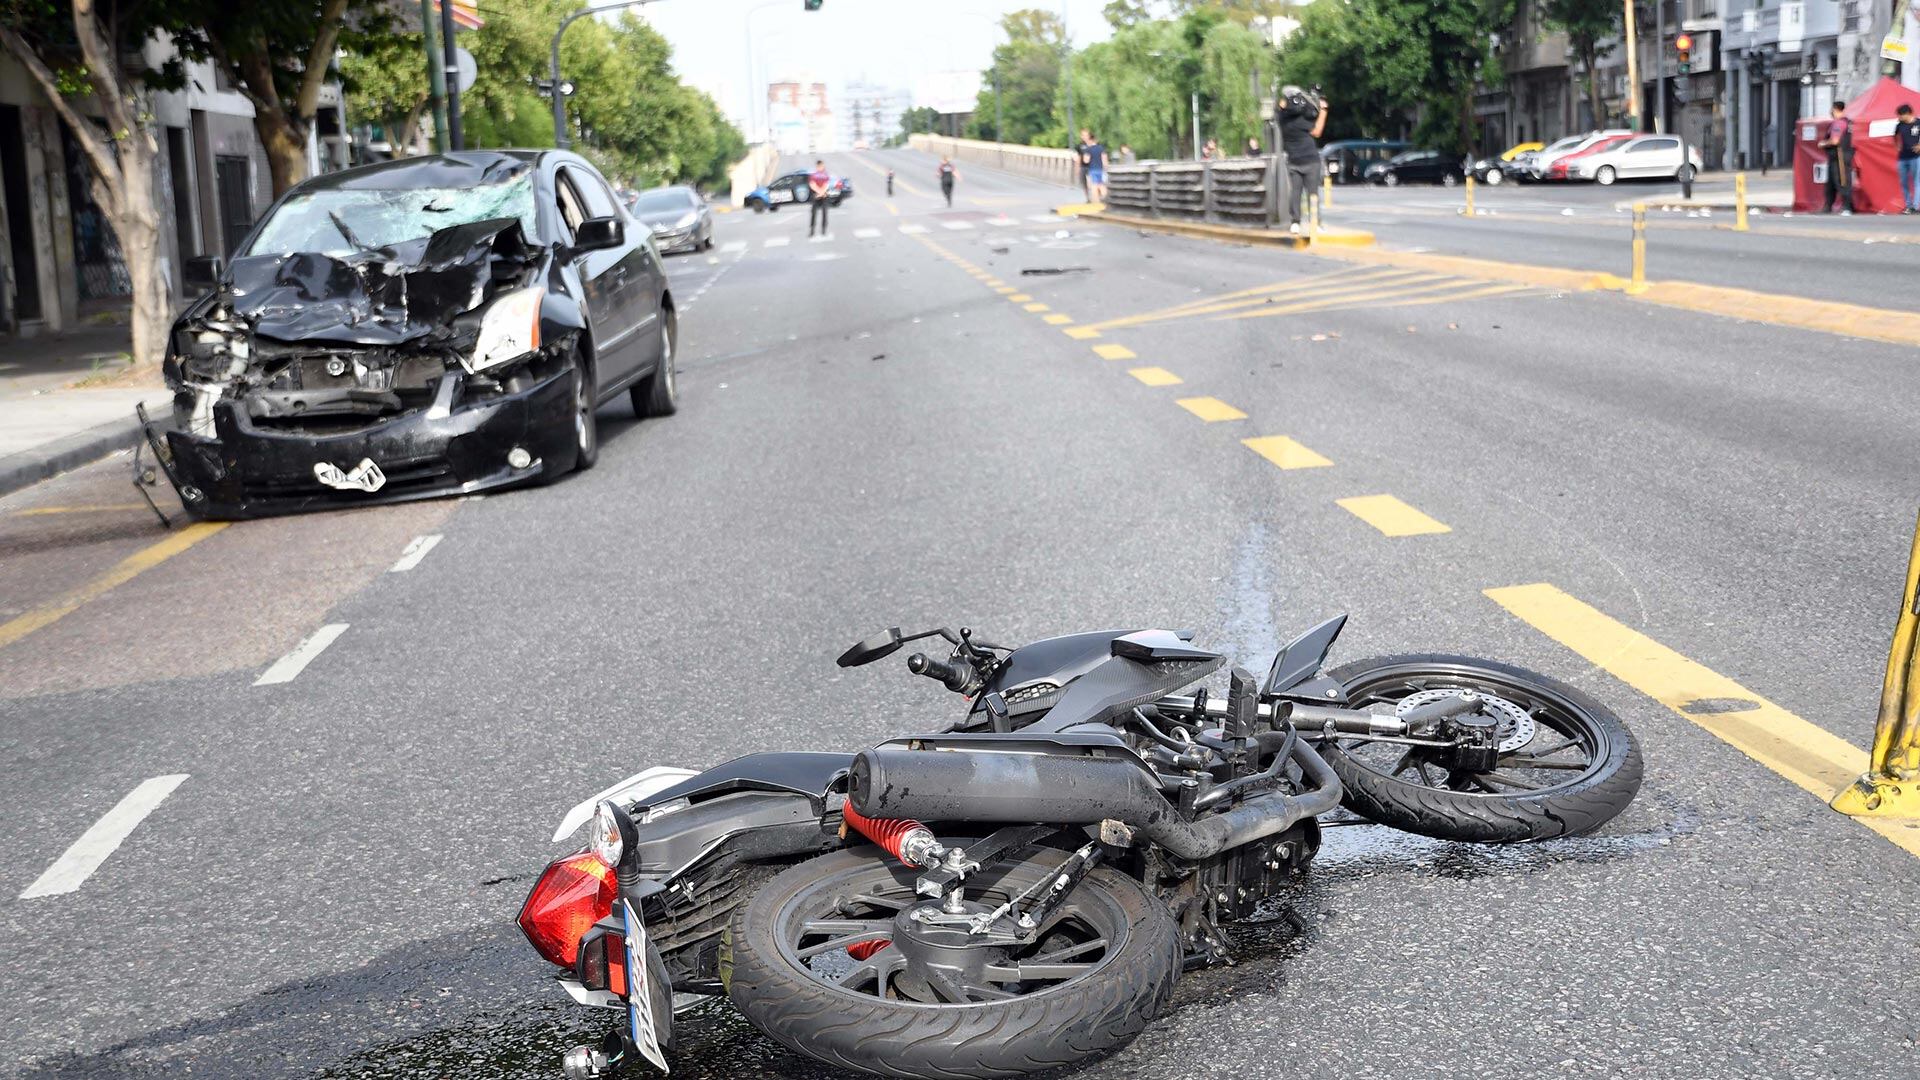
(1590, 56)
(286, 144)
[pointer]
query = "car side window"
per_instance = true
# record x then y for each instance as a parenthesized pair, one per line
(572, 209)
(1653, 144)
(593, 192)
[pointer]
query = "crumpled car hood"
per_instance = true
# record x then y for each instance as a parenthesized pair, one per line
(386, 296)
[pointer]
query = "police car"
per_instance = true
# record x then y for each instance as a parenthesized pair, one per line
(792, 188)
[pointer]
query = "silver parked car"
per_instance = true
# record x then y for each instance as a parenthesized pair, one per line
(1647, 156)
(1572, 144)
(678, 216)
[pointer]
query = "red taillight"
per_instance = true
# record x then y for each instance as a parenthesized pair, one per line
(572, 895)
(616, 965)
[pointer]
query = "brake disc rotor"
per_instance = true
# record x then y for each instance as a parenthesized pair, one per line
(1515, 726)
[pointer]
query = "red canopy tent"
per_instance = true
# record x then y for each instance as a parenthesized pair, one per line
(1876, 185)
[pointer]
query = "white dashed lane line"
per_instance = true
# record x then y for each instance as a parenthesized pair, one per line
(778, 241)
(866, 234)
(956, 226)
(416, 550)
(77, 863)
(732, 246)
(913, 230)
(285, 669)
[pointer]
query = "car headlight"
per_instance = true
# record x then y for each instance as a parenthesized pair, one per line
(509, 330)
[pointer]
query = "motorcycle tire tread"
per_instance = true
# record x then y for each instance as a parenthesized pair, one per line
(1511, 819)
(977, 1041)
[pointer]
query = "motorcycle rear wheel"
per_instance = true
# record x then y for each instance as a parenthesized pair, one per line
(1577, 771)
(1103, 968)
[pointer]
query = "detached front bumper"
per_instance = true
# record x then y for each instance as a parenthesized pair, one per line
(448, 448)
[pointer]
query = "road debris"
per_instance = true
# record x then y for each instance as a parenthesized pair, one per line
(1042, 271)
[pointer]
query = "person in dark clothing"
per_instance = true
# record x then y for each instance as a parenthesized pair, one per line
(948, 174)
(818, 184)
(1302, 118)
(1253, 147)
(1906, 140)
(889, 183)
(1838, 143)
(1093, 160)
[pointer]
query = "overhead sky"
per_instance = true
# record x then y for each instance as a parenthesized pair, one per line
(889, 42)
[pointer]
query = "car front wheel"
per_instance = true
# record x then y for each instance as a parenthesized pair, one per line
(1495, 177)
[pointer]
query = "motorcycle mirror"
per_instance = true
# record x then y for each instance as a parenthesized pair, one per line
(873, 648)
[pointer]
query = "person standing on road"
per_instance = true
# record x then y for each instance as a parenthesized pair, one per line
(1093, 158)
(889, 183)
(948, 174)
(1302, 119)
(818, 184)
(1838, 143)
(1906, 138)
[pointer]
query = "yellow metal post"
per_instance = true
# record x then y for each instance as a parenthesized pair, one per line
(1740, 202)
(1326, 189)
(1469, 194)
(1639, 283)
(1891, 785)
(1316, 215)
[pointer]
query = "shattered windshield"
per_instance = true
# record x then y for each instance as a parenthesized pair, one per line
(341, 221)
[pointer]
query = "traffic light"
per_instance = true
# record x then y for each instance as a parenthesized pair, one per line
(813, 5)
(1682, 45)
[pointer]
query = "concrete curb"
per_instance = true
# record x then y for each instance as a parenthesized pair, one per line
(28, 467)
(1325, 238)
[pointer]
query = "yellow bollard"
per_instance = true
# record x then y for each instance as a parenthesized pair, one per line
(1740, 202)
(1326, 189)
(1891, 785)
(1315, 207)
(1639, 283)
(1469, 194)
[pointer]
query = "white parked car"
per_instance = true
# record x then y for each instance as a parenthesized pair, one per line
(1572, 144)
(1647, 156)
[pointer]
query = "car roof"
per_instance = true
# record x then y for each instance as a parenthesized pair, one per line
(465, 168)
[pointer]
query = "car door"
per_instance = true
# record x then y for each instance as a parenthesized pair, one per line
(785, 190)
(641, 275)
(1651, 157)
(603, 276)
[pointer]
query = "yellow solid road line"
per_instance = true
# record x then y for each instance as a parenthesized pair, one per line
(126, 570)
(1082, 333)
(1036, 307)
(1805, 754)
(1155, 376)
(1112, 352)
(1210, 409)
(1391, 516)
(1057, 319)
(1284, 452)
(108, 508)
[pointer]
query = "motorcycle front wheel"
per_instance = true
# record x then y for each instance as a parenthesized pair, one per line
(811, 960)
(1566, 764)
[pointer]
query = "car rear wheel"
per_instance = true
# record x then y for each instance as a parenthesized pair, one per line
(759, 207)
(657, 394)
(1685, 174)
(1390, 179)
(1605, 175)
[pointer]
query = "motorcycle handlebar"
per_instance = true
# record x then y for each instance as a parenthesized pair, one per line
(955, 676)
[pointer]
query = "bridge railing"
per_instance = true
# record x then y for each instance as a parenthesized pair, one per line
(1231, 191)
(1045, 163)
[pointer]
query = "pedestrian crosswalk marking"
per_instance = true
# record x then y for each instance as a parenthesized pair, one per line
(823, 238)
(866, 234)
(1285, 453)
(913, 230)
(777, 241)
(957, 226)
(1211, 409)
(732, 246)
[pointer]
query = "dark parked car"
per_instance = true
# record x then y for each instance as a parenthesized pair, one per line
(414, 328)
(793, 188)
(1347, 160)
(1419, 167)
(678, 216)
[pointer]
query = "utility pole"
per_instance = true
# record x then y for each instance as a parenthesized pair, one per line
(1660, 65)
(436, 77)
(1633, 72)
(455, 139)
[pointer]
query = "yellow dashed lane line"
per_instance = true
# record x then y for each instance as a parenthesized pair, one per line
(1391, 516)
(1113, 352)
(1285, 453)
(1155, 376)
(1211, 409)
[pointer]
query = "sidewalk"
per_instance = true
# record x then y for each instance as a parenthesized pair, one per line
(1714, 191)
(48, 424)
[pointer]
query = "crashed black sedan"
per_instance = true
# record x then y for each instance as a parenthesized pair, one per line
(430, 326)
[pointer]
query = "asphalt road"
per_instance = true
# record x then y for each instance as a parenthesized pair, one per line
(871, 436)
(1860, 259)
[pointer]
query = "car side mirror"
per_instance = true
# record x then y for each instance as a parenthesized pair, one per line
(598, 234)
(201, 272)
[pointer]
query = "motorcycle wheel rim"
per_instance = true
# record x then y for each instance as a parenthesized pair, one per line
(814, 928)
(1568, 747)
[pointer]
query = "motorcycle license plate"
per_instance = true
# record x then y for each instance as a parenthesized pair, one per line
(640, 1019)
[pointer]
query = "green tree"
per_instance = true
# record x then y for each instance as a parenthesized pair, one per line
(1587, 23)
(1026, 68)
(916, 120)
(1138, 86)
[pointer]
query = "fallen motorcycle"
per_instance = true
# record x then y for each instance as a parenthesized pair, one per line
(1019, 890)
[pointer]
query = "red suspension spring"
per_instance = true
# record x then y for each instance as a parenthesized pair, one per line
(889, 833)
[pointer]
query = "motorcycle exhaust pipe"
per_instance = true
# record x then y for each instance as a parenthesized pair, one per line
(996, 788)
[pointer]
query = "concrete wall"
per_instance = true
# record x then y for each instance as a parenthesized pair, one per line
(1038, 162)
(758, 167)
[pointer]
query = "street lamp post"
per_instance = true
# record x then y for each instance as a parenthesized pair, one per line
(560, 100)
(756, 106)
